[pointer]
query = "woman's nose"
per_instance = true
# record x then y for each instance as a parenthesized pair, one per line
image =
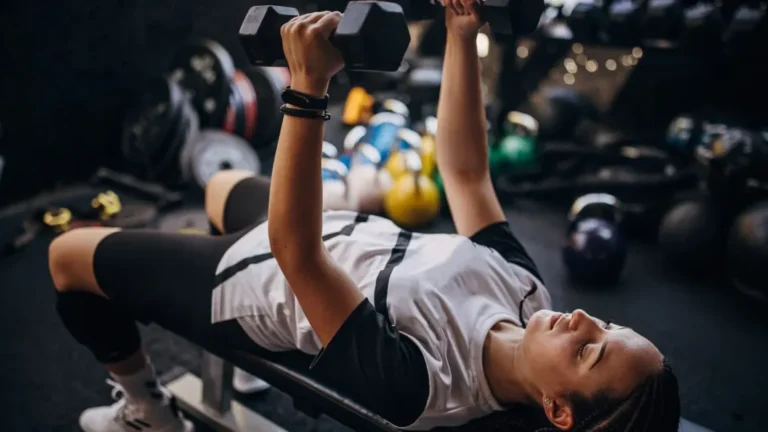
(578, 319)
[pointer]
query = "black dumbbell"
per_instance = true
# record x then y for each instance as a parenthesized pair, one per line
(702, 27)
(370, 36)
(587, 21)
(625, 21)
(505, 17)
(747, 32)
(664, 20)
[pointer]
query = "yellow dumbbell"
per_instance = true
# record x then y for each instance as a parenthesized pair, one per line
(358, 107)
(413, 200)
(107, 204)
(58, 219)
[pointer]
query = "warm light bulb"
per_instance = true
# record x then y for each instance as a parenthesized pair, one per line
(571, 67)
(591, 66)
(577, 48)
(569, 79)
(626, 60)
(610, 64)
(522, 52)
(637, 52)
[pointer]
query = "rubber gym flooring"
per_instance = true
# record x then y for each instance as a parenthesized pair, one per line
(715, 339)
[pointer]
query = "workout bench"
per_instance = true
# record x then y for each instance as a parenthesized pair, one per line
(209, 398)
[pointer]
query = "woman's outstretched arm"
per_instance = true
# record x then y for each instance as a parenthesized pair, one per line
(462, 143)
(325, 292)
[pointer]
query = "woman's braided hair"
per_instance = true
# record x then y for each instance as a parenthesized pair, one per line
(654, 406)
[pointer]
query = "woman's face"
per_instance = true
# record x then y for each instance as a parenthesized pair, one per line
(579, 353)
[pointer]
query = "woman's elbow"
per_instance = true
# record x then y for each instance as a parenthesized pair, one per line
(289, 252)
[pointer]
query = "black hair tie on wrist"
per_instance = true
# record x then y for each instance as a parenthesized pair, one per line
(303, 113)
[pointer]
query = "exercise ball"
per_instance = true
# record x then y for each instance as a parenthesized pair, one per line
(690, 233)
(748, 252)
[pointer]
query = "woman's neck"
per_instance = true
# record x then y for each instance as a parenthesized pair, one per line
(504, 367)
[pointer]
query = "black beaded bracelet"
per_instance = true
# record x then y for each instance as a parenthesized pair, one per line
(303, 113)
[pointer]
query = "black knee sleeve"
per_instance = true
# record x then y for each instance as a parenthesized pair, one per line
(96, 323)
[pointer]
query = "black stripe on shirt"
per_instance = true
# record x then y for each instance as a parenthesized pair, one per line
(241, 265)
(382, 280)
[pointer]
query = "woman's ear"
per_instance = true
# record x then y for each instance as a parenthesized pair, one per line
(559, 412)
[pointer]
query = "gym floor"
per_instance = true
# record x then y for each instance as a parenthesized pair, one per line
(713, 336)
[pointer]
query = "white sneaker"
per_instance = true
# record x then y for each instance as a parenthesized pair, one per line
(129, 416)
(244, 382)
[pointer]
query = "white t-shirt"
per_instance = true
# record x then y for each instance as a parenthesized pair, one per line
(443, 292)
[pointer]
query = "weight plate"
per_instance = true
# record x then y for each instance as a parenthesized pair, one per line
(185, 221)
(239, 111)
(235, 102)
(149, 127)
(205, 70)
(249, 103)
(215, 150)
(133, 215)
(187, 146)
(167, 170)
(268, 84)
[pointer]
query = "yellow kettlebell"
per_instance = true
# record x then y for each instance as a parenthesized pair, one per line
(413, 200)
(429, 146)
(408, 141)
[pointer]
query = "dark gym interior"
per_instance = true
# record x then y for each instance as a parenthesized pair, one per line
(72, 73)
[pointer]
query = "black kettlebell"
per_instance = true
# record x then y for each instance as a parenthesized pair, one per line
(748, 252)
(595, 249)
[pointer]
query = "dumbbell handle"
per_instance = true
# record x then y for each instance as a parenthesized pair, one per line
(273, 41)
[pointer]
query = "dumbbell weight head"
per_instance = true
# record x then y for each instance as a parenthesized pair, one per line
(260, 34)
(370, 35)
(413, 200)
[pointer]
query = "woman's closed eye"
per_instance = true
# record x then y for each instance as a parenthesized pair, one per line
(583, 347)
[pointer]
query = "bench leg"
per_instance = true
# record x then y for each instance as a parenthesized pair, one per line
(209, 399)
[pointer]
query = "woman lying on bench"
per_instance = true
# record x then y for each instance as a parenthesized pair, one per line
(426, 330)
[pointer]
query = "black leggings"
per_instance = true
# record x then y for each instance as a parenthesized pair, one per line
(163, 278)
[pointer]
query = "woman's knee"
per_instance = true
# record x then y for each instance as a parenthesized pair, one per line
(217, 191)
(70, 258)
